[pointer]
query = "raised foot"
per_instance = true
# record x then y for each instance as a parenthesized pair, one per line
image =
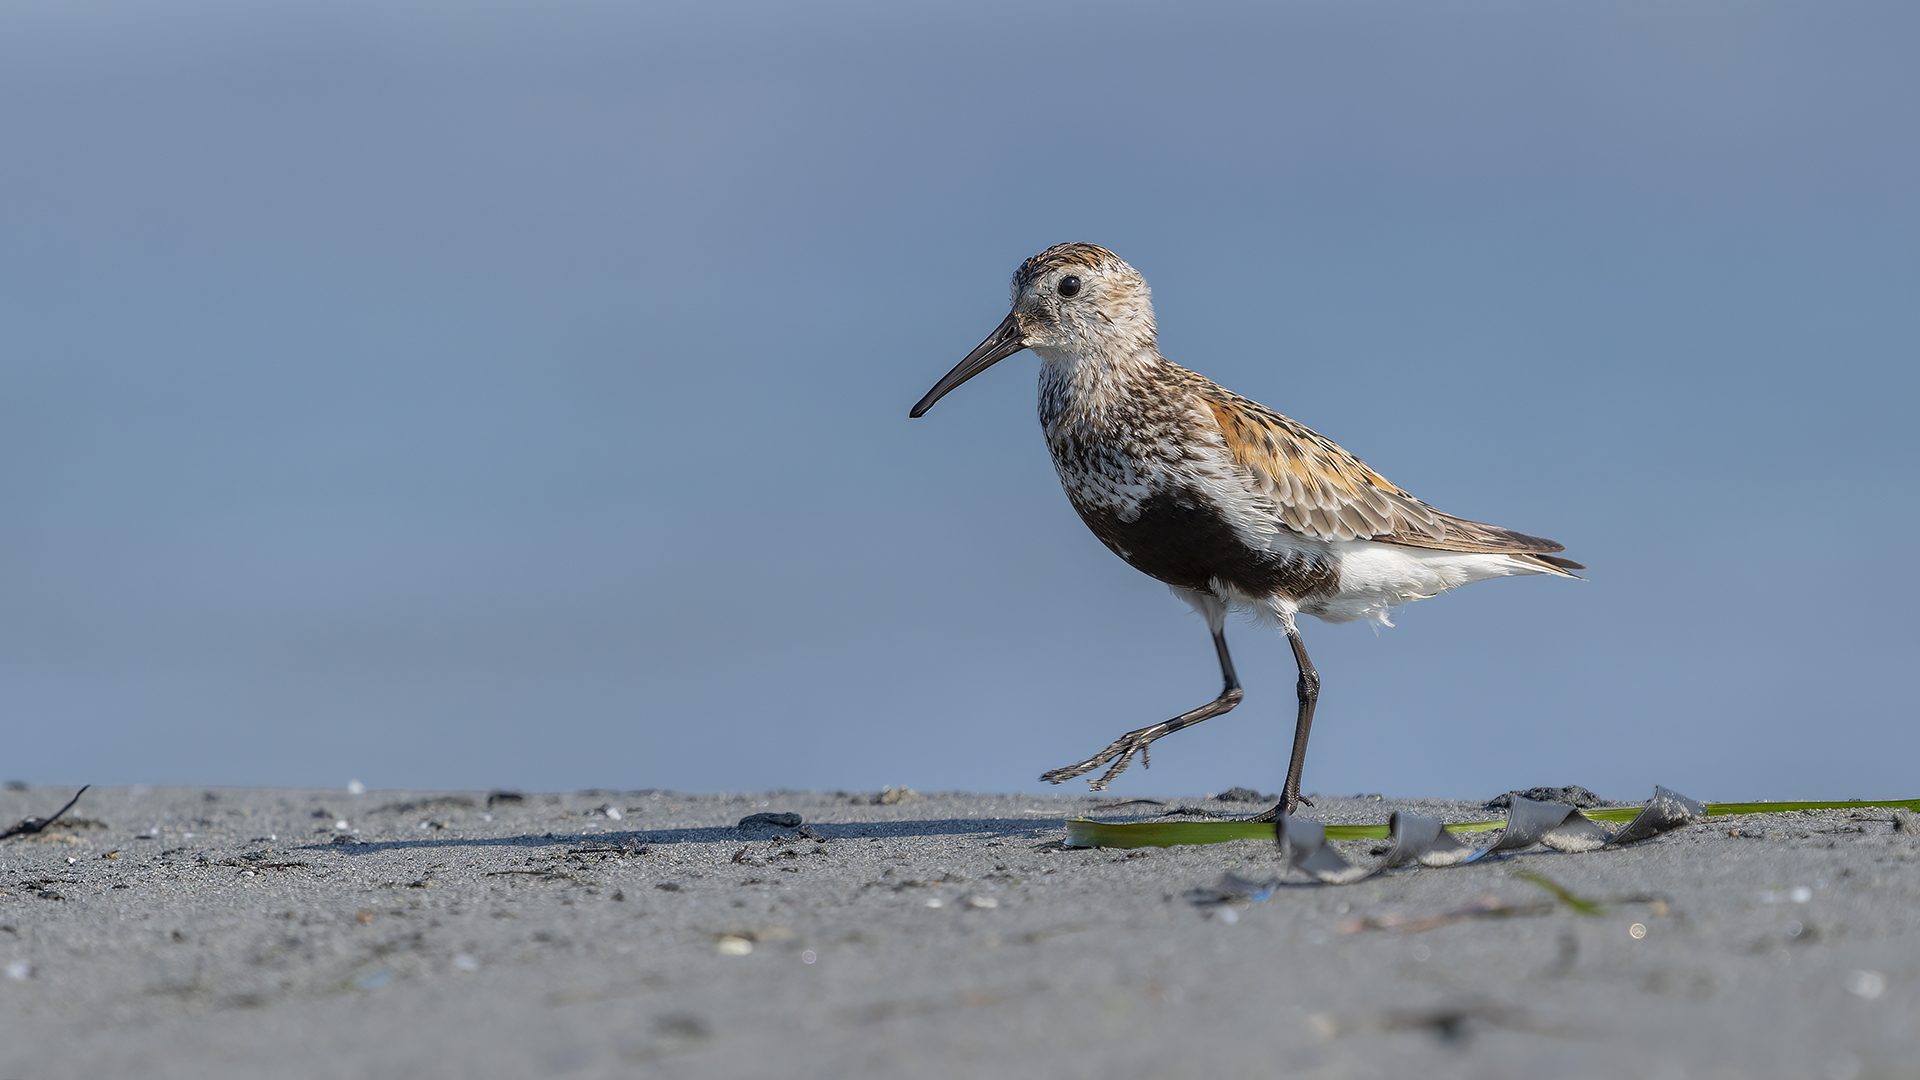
(1122, 748)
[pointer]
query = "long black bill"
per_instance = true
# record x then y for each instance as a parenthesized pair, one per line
(1006, 339)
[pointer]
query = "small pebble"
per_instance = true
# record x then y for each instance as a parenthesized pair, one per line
(769, 821)
(374, 979)
(1863, 984)
(1245, 794)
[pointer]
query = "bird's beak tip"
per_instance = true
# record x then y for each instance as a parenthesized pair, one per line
(1006, 339)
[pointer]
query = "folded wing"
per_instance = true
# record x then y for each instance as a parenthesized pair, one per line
(1322, 491)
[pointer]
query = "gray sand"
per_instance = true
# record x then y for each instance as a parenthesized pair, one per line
(176, 932)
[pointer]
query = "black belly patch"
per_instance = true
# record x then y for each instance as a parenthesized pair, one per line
(1181, 539)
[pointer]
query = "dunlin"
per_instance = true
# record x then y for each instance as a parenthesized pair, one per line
(1231, 504)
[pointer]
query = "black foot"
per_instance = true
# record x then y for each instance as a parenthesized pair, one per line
(1285, 807)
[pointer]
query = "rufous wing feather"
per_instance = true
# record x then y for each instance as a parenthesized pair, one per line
(1322, 491)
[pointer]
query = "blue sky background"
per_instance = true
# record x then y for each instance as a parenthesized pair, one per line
(473, 394)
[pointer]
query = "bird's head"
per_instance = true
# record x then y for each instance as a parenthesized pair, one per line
(1070, 302)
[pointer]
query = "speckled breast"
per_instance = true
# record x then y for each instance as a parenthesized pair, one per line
(1171, 530)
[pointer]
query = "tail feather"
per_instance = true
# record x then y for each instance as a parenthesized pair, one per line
(1552, 563)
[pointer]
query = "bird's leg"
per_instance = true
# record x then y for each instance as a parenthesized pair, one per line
(1135, 742)
(1308, 690)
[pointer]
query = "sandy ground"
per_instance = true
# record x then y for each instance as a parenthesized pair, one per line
(169, 932)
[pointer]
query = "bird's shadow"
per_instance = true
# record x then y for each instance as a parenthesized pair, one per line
(983, 828)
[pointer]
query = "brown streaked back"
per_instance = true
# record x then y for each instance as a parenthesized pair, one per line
(1320, 490)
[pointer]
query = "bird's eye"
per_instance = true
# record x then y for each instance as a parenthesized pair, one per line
(1069, 286)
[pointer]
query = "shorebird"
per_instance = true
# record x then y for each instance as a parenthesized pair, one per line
(1231, 504)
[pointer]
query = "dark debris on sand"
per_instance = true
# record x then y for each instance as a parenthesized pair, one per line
(1572, 795)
